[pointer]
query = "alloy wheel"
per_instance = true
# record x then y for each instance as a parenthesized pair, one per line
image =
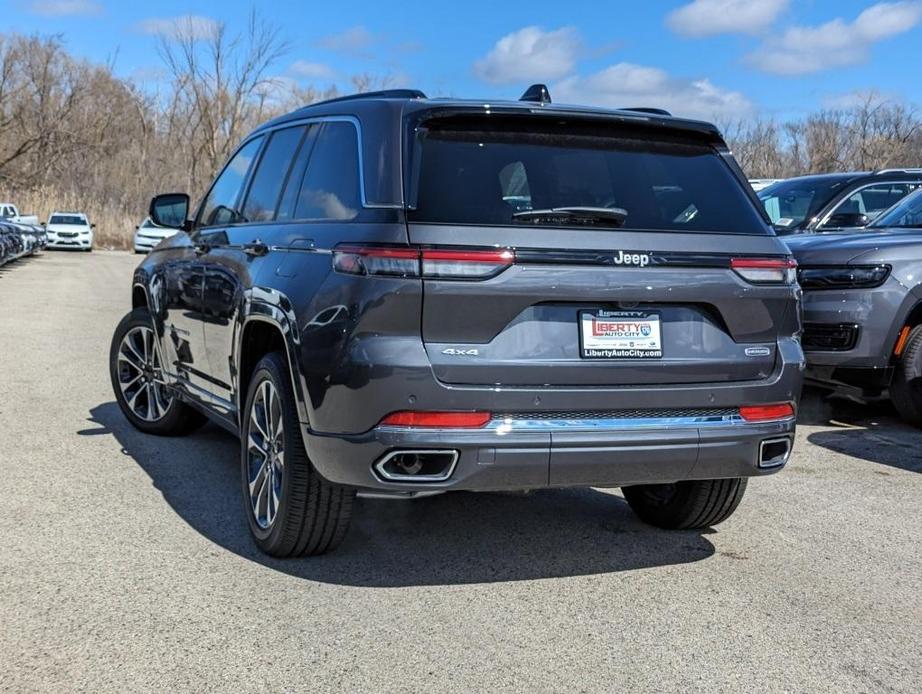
(140, 375)
(265, 454)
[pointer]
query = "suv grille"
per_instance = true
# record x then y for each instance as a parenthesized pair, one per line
(829, 337)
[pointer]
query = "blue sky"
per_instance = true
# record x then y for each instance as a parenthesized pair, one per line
(705, 58)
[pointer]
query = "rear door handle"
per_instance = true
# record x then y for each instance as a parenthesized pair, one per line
(255, 248)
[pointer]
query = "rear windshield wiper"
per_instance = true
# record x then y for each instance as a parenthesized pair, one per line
(608, 216)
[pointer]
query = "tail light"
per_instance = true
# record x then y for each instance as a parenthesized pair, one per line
(410, 261)
(373, 260)
(767, 413)
(439, 420)
(765, 270)
(474, 264)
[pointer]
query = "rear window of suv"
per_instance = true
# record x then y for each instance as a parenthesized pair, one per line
(487, 177)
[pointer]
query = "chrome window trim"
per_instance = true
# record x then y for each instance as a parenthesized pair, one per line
(360, 138)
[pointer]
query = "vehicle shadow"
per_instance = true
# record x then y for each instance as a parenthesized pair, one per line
(871, 432)
(451, 539)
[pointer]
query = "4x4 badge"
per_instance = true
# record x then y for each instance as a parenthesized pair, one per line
(452, 352)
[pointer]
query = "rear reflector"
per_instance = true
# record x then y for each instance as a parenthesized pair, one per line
(765, 270)
(410, 261)
(767, 413)
(440, 420)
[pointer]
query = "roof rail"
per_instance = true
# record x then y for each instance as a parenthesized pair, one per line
(382, 94)
(537, 93)
(647, 109)
(899, 170)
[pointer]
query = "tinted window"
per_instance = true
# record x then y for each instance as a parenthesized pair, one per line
(907, 214)
(791, 204)
(472, 176)
(67, 219)
(873, 200)
(271, 174)
(330, 187)
(220, 205)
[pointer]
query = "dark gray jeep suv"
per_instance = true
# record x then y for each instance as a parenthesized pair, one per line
(394, 295)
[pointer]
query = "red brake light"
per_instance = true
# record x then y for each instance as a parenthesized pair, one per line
(765, 270)
(767, 413)
(440, 420)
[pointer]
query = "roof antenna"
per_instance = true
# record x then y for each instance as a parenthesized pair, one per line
(538, 93)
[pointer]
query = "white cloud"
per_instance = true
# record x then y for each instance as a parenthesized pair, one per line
(805, 50)
(312, 71)
(355, 41)
(531, 55)
(65, 8)
(186, 26)
(627, 85)
(710, 17)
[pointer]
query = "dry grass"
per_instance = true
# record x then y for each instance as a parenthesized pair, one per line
(114, 226)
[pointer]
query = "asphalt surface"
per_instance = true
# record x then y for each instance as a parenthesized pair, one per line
(125, 563)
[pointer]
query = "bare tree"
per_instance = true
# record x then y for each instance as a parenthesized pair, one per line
(218, 81)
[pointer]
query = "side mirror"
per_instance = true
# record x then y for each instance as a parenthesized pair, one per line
(92, 226)
(170, 210)
(846, 219)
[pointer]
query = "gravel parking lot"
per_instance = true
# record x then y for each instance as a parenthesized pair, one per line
(126, 564)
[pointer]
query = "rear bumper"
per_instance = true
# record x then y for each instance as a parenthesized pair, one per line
(500, 457)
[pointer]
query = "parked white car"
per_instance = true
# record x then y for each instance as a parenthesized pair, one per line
(70, 230)
(10, 213)
(147, 235)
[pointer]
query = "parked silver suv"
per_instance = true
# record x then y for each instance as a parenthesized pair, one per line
(863, 307)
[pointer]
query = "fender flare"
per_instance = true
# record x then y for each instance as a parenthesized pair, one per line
(273, 307)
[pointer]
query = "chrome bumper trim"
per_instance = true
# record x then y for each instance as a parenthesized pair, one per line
(508, 424)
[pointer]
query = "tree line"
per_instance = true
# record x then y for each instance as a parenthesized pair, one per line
(75, 135)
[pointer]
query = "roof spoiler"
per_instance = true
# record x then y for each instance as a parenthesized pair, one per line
(648, 109)
(537, 93)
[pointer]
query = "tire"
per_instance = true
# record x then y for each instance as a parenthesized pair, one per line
(906, 385)
(686, 505)
(173, 417)
(311, 515)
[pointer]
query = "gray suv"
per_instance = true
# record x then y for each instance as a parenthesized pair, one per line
(393, 295)
(863, 307)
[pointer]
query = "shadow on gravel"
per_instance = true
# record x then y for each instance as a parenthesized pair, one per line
(871, 432)
(445, 540)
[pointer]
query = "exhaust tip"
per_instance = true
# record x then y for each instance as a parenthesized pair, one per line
(418, 467)
(774, 452)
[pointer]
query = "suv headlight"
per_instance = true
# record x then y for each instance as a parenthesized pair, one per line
(842, 276)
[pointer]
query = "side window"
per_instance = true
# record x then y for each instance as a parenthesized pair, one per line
(220, 207)
(873, 200)
(330, 188)
(271, 173)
